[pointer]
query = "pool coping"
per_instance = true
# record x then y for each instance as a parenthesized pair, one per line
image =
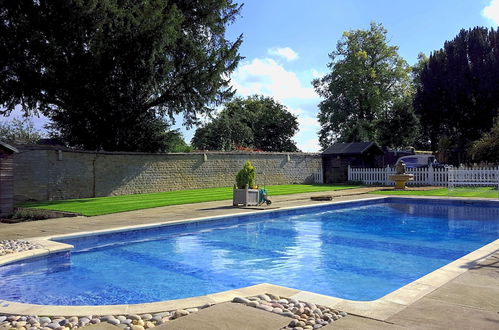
(380, 309)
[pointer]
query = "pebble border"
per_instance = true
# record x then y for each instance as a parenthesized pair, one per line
(126, 322)
(13, 246)
(306, 316)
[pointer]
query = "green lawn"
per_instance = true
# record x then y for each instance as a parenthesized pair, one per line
(484, 192)
(114, 204)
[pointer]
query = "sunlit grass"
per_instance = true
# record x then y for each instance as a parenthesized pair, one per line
(115, 204)
(483, 192)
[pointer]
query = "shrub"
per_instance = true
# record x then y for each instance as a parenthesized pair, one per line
(246, 177)
(30, 215)
(485, 149)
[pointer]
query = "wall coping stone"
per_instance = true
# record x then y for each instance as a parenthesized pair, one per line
(26, 147)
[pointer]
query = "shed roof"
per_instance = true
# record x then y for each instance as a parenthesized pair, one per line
(7, 147)
(352, 148)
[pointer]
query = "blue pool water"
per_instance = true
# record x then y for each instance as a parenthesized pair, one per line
(358, 251)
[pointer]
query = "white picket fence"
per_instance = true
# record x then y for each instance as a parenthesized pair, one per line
(319, 177)
(480, 176)
(428, 176)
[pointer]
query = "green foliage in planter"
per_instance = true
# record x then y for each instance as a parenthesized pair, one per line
(246, 177)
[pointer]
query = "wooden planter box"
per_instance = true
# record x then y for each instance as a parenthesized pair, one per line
(245, 197)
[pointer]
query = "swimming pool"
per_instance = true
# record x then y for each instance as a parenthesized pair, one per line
(358, 251)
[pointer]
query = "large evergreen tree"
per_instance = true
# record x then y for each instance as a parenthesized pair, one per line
(367, 78)
(458, 88)
(109, 73)
(255, 122)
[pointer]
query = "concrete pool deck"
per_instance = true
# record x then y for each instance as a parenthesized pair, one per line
(471, 297)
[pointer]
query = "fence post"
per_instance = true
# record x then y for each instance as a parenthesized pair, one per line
(387, 173)
(349, 173)
(431, 177)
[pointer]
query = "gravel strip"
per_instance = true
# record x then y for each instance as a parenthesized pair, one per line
(127, 322)
(306, 316)
(13, 246)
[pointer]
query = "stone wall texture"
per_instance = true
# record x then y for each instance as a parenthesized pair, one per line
(49, 173)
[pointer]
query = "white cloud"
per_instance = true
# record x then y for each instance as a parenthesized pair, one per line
(492, 11)
(307, 122)
(311, 145)
(265, 76)
(286, 52)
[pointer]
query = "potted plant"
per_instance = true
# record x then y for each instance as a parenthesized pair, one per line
(245, 190)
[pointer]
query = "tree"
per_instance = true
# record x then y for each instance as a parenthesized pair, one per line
(486, 149)
(109, 72)
(20, 132)
(456, 97)
(175, 142)
(366, 79)
(398, 127)
(255, 122)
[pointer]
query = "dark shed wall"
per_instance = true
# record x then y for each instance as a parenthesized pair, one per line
(335, 167)
(6, 184)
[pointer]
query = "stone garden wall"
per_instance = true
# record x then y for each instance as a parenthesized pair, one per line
(47, 173)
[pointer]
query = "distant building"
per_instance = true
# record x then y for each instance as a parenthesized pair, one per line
(337, 158)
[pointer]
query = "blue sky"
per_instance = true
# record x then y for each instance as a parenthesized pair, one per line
(286, 43)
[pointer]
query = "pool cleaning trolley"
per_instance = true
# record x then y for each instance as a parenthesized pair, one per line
(263, 196)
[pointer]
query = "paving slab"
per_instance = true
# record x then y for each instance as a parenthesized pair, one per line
(429, 313)
(228, 316)
(481, 278)
(484, 298)
(352, 322)
(488, 267)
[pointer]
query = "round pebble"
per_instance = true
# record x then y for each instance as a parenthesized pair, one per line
(240, 300)
(180, 313)
(137, 327)
(253, 303)
(163, 314)
(265, 307)
(264, 297)
(133, 317)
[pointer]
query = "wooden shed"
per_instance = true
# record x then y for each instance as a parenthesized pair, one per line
(337, 158)
(6, 179)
